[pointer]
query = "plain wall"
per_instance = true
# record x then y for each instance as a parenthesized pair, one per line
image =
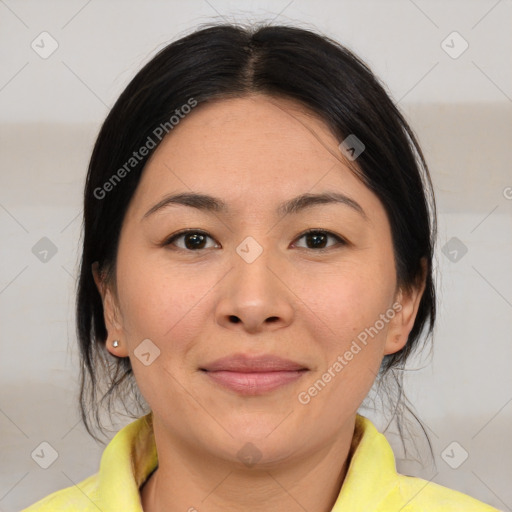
(51, 110)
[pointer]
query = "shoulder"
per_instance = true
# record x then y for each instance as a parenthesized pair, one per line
(420, 495)
(372, 473)
(81, 497)
(126, 462)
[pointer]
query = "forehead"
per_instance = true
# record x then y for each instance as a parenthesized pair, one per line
(256, 126)
(256, 148)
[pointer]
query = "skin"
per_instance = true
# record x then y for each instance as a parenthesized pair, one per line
(293, 301)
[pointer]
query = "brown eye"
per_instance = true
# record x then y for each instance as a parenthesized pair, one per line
(196, 240)
(193, 240)
(318, 239)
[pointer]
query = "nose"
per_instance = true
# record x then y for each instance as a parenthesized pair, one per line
(254, 296)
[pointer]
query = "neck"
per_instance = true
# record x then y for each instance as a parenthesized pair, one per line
(188, 481)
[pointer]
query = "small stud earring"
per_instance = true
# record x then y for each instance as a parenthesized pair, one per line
(115, 343)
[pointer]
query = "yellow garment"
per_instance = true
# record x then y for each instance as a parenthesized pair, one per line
(371, 482)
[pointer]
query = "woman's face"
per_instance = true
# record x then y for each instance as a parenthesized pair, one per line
(246, 283)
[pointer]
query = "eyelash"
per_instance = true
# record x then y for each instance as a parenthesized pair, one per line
(173, 238)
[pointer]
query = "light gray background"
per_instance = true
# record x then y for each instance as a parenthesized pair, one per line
(51, 110)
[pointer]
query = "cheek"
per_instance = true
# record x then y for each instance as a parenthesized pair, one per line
(348, 332)
(349, 337)
(166, 306)
(347, 299)
(349, 350)
(161, 302)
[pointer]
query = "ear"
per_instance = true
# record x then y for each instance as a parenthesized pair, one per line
(111, 315)
(403, 322)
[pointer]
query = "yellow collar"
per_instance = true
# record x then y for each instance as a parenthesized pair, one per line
(126, 463)
(131, 456)
(371, 483)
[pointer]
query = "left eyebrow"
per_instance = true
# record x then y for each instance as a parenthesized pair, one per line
(295, 205)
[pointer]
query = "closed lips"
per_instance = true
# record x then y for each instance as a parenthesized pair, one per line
(253, 364)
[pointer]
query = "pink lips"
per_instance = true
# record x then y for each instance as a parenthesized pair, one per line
(253, 375)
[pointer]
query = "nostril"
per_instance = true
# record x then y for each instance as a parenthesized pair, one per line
(234, 319)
